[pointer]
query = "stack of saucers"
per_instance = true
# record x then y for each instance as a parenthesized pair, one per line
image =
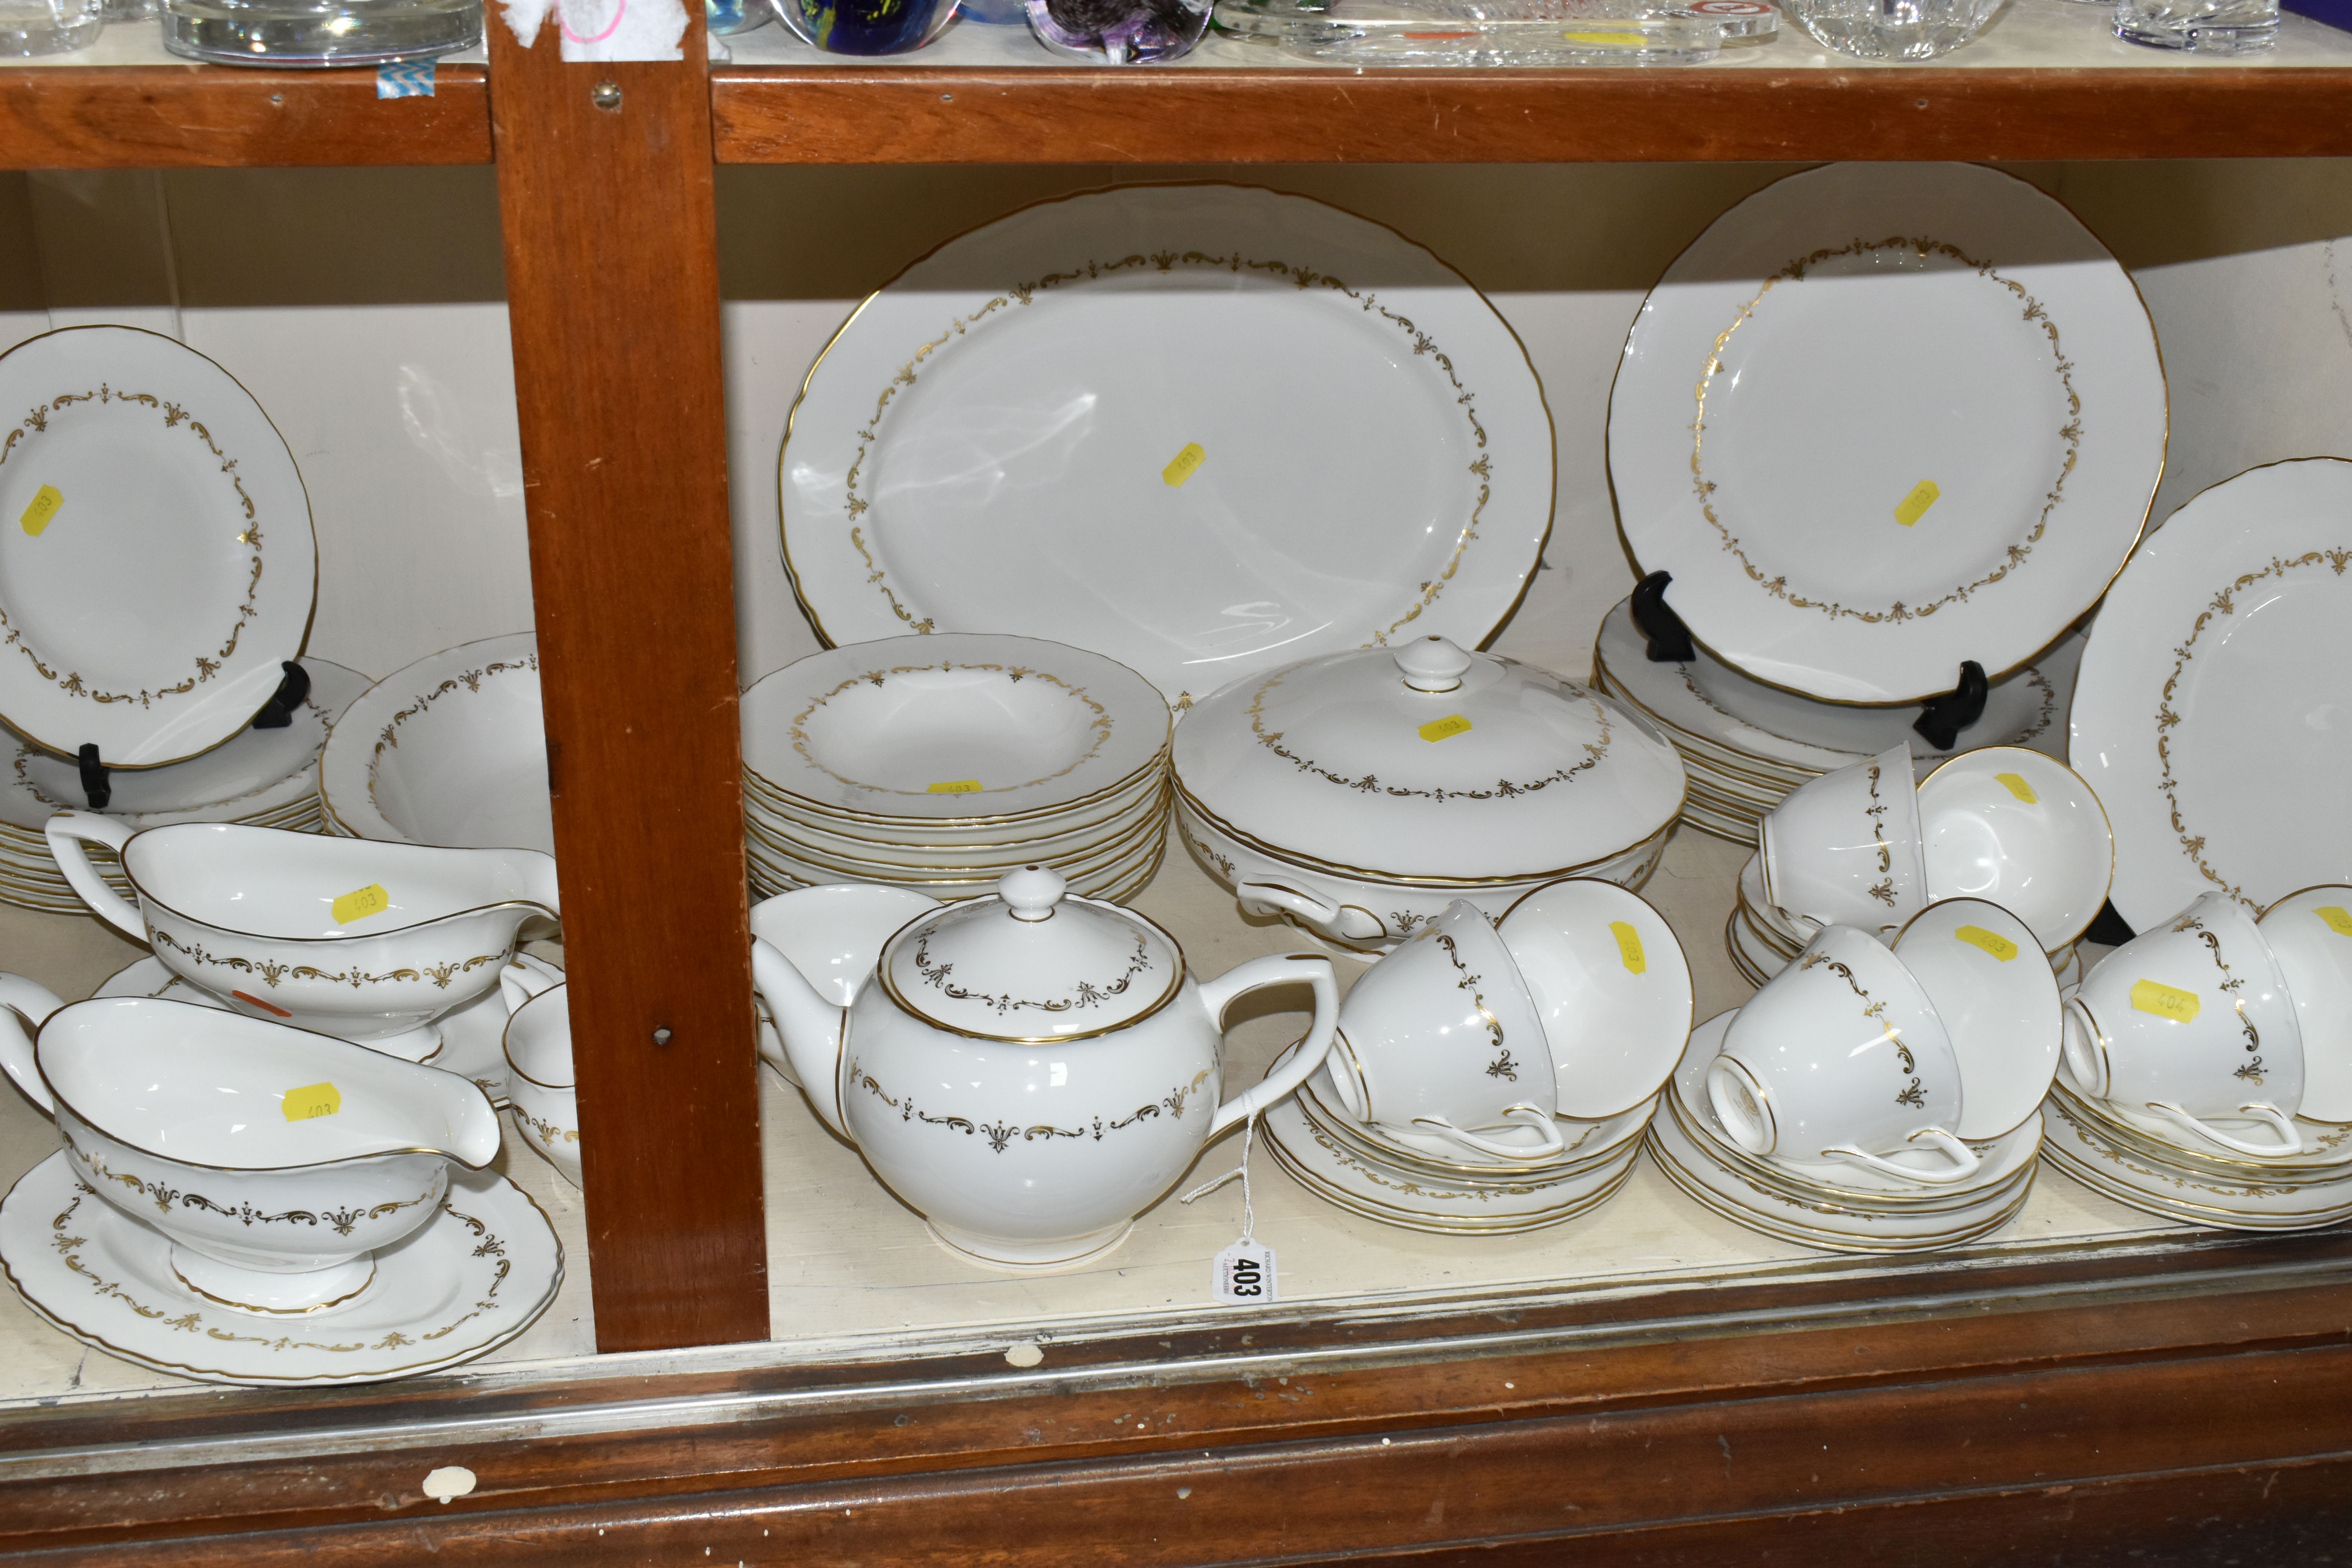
(1763, 940)
(2138, 1158)
(1834, 1206)
(265, 778)
(1430, 1183)
(1746, 744)
(938, 763)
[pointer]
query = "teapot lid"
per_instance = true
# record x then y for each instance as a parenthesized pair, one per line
(1029, 963)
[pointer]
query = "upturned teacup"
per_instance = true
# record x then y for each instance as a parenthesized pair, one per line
(2193, 1021)
(1442, 1036)
(1843, 849)
(2310, 934)
(1841, 1057)
(1612, 987)
(2020, 830)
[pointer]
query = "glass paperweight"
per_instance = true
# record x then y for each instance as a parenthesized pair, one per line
(323, 33)
(725, 18)
(1120, 32)
(865, 26)
(48, 27)
(1499, 32)
(1892, 29)
(2209, 26)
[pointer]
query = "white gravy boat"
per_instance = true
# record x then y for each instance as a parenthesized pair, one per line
(349, 937)
(276, 1162)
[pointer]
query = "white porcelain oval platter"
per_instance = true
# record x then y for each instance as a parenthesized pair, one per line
(1879, 419)
(1203, 429)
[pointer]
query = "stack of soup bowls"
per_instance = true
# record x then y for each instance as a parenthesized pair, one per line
(938, 763)
(2208, 1069)
(1862, 847)
(1873, 1098)
(1360, 794)
(265, 778)
(1746, 744)
(1489, 1079)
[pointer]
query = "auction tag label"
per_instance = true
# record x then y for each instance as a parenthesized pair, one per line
(2000, 946)
(2337, 919)
(1914, 506)
(1244, 1272)
(1184, 465)
(953, 787)
(312, 1100)
(2165, 1001)
(2015, 785)
(1444, 728)
(46, 502)
(1629, 947)
(371, 900)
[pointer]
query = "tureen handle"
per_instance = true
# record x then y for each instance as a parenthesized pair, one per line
(1283, 969)
(1341, 923)
(22, 999)
(67, 831)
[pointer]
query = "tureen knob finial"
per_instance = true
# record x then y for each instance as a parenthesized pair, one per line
(1432, 664)
(1032, 892)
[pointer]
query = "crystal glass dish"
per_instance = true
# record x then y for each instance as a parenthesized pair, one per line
(1892, 29)
(315, 33)
(48, 27)
(1499, 32)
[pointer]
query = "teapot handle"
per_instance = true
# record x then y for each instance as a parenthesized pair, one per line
(21, 999)
(1283, 969)
(67, 832)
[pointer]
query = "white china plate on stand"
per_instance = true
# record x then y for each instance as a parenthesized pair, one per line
(1205, 430)
(157, 566)
(1882, 418)
(2209, 714)
(474, 1277)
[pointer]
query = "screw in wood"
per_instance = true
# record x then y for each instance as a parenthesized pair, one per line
(606, 94)
(661, 1036)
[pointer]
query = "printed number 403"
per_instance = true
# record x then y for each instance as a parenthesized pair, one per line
(1246, 1279)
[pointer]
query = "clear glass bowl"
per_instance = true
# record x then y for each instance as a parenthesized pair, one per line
(2209, 26)
(340, 33)
(1892, 29)
(726, 19)
(1499, 32)
(48, 27)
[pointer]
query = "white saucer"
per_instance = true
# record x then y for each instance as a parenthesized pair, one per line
(471, 1279)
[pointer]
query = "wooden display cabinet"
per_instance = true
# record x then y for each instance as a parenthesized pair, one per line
(2190, 1401)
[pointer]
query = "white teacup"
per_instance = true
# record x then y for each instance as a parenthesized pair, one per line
(2020, 830)
(2192, 1021)
(2310, 934)
(539, 1082)
(1994, 994)
(1442, 1036)
(369, 942)
(1841, 1057)
(294, 1157)
(1610, 984)
(1843, 849)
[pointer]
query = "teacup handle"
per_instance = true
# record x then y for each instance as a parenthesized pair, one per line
(525, 978)
(2289, 1136)
(67, 832)
(1341, 923)
(1965, 1161)
(1525, 1115)
(21, 999)
(1283, 969)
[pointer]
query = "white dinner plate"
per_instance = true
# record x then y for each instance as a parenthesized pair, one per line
(2210, 714)
(1882, 418)
(1205, 430)
(156, 561)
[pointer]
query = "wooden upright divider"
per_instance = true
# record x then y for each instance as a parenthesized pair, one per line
(604, 183)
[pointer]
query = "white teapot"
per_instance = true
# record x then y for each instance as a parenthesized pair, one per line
(1030, 1071)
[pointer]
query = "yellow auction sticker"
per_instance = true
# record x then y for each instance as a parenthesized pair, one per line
(1993, 942)
(1914, 506)
(1629, 947)
(2337, 919)
(46, 502)
(371, 900)
(953, 787)
(2015, 784)
(2165, 1001)
(312, 1100)
(1443, 729)
(1184, 465)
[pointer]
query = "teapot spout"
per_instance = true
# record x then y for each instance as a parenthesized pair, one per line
(811, 1026)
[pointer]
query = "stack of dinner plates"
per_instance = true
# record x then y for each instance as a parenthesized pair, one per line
(2135, 1158)
(1428, 1183)
(938, 763)
(1745, 744)
(263, 778)
(1836, 1207)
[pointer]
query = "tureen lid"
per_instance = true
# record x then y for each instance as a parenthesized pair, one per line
(1423, 760)
(1029, 963)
